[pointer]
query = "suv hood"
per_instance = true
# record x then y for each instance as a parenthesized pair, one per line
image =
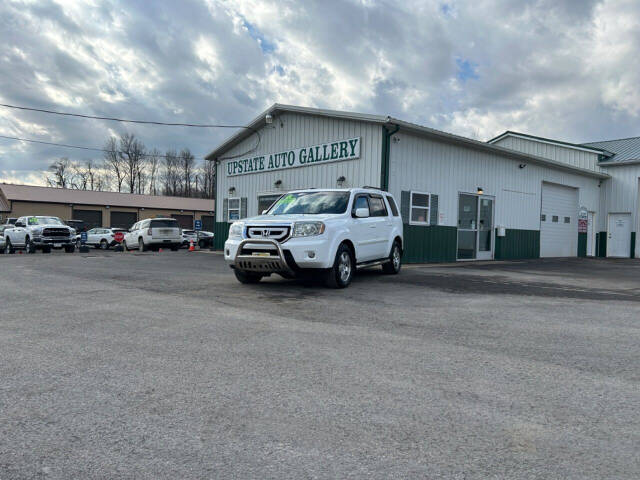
(280, 219)
(50, 225)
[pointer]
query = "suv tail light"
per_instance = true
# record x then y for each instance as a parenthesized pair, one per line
(149, 231)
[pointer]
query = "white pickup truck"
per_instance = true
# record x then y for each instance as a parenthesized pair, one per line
(39, 233)
(327, 232)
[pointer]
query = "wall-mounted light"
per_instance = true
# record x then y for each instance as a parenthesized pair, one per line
(142, 209)
(181, 211)
(340, 180)
(522, 165)
(396, 139)
(268, 118)
(107, 207)
(480, 191)
(278, 183)
(232, 190)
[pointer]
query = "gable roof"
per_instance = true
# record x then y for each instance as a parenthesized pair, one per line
(275, 109)
(574, 146)
(626, 150)
(30, 193)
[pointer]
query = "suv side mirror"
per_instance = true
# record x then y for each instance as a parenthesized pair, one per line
(19, 224)
(362, 212)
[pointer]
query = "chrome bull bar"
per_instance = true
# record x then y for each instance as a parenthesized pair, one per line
(264, 264)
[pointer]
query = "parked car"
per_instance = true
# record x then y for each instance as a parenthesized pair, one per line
(189, 236)
(2, 241)
(205, 239)
(78, 225)
(154, 233)
(102, 238)
(331, 232)
(39, 233)
(10, 221)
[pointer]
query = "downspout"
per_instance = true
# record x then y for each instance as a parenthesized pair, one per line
(386, 155)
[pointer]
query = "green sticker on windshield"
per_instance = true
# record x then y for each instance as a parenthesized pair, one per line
(288, 199)
(33, 221)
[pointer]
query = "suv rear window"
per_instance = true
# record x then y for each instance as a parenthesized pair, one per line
(164, 224)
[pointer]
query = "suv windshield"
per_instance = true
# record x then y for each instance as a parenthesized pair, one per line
(310, 203)
(44, 221)
(164, 224)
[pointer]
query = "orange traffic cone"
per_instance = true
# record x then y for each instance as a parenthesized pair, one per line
(192, 248)
(159, 250)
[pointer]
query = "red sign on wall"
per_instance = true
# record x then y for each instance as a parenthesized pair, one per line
(583, 225)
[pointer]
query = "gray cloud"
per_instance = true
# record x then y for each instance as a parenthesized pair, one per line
(558, 68)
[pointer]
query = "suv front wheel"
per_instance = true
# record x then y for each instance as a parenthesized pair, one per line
(341, 274)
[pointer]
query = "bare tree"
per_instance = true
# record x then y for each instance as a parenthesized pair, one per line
(132, 153)
(61, 173)
(170, 175)
(153, 163)
(187, 162)
(208, 179)
(113, 163)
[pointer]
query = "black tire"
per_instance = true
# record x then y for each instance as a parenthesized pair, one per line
(29, 246)
(341, 274)
(8, 248)
(202, 243)
(141, 246)
(393, 266)
(46, 249)
(246, 277)
(69, 248)
(175, 248)
(104, 245)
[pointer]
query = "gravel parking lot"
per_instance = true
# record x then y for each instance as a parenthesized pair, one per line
(160, 365)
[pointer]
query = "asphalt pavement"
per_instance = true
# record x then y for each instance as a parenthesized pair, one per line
(161, 365)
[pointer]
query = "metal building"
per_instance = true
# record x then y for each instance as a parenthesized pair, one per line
(461, 199)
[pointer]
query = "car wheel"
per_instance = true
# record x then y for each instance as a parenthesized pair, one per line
(29, 246)
(394, 264)
(202, 243)
(141, 246)
(8, 248)
(341, 274)
(104, 245)
(247, 277)
(175, 248)
(70, 248)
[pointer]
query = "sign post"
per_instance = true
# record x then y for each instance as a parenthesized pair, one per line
(197, 226)
(83, 243)
(118, 237)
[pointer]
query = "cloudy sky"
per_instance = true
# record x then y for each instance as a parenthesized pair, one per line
(567, 69)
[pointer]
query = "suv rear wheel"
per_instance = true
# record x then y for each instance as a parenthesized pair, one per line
(141, 246)
(395, 260)
(341, 274)
(103, 244)
(247, 277)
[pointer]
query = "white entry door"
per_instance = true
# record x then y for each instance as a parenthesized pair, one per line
(619, 235)
(559, 221)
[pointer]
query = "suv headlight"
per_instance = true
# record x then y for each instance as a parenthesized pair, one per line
(308, 229)
(37, 231)
(235, 231)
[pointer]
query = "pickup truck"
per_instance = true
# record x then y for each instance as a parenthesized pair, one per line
(33, 233)
(326, 233)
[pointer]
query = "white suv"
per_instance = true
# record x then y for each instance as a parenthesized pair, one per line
(154, 233)
(318, 231)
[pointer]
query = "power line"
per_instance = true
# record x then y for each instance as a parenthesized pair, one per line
(145, 122)
(94, 149)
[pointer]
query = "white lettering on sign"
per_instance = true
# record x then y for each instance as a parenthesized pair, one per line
(301, 157)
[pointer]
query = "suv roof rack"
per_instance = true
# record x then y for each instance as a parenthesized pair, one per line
(372, 188)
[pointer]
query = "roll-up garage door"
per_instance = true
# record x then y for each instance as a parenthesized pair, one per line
(123, 219)
(91, 218)
(185, 221)
(559, 221)
(208, 223)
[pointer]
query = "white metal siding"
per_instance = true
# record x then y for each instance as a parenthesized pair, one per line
(577, 158)
(446, 169)
(299, 130)
(559, 239)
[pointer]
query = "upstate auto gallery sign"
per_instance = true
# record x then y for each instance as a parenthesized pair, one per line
(301, 157)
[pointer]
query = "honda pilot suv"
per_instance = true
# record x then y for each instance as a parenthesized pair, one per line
(325, 232)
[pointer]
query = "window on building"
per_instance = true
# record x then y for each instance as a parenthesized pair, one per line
(554, 219)
(420, 203)
(377, 207)
(234, 209)
(393, 206)
(567, 219)
(543, 218)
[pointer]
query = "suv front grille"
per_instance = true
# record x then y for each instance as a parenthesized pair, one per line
(55, 232)
(273, 233)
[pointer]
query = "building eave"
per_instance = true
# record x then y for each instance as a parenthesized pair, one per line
(559, 143)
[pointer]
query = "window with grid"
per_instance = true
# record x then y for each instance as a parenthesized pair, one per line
(420, 204)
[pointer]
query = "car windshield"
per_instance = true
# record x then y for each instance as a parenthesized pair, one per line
(164, 224)
(44, 221)
(310, 203)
